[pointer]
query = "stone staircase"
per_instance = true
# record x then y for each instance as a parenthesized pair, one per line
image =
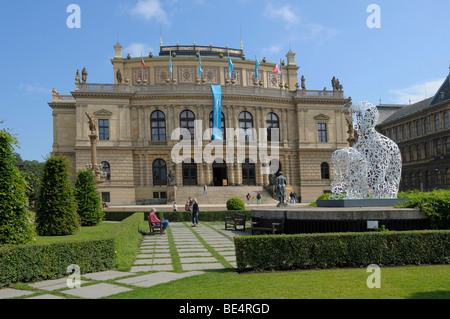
(219, 194)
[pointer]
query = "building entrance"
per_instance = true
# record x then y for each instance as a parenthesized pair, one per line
(248, 173)
(220, 174)
(190, 173)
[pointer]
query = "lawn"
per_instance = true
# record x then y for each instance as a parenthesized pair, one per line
(396, 283)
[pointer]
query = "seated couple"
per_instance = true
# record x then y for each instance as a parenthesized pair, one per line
(156, 222)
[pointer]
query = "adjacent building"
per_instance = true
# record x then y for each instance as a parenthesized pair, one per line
(422, 131)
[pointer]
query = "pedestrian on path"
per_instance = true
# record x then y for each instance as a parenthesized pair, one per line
(248, 198)
(195, 211)
(175, 206)
(205, 188)
(258, 198)
(156, 222)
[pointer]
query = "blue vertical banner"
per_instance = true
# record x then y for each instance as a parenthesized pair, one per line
(217, 113)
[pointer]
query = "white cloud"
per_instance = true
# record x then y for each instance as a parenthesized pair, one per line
(285, 13)
(150, 10)
(416, 92)
(137, 49)
(34, 88)
(319, 32)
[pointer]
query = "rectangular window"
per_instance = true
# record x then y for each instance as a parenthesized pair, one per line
(322, 131)
(106, 197)
(103, 130)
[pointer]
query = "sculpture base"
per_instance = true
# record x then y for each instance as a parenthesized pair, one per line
(283, 205)
(377, 202)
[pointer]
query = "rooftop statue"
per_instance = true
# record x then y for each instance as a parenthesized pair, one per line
(372, 167)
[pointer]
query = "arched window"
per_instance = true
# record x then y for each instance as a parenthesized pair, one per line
(325, 171)
(107, 169)
(246, 124)
(272, 122)
(158, 126)
(159, 172)
(437, 123)
(187, 120)
(222, 124)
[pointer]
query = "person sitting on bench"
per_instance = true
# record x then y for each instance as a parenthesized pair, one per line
(156, 222)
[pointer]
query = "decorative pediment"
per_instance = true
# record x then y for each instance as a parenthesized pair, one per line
(322, 117)
(103, 113)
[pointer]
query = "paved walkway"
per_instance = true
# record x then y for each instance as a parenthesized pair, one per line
(186, 251)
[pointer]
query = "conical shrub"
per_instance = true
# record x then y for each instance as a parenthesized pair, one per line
(56, 213)
(88, 199)
(16, 220)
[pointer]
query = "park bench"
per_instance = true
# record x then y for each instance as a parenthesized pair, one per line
(155, 228)
(236, 220)
(265, 224)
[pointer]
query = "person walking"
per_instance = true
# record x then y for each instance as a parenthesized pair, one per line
(248, 198)
(156, 222)
(195, 211)
(190, 204)
(258, 198)
(205, 188)
(175, 206)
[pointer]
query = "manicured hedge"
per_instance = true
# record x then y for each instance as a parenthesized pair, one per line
(319, 251)
(183, 216)
(30, 263)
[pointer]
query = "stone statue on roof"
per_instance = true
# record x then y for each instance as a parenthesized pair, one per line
(84, 75)
(77, 77)
(119, 76)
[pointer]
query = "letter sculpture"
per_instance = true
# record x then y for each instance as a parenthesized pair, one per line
(372, 167)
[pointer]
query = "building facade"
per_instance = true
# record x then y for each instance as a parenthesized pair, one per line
(422, 132)
(139, 118)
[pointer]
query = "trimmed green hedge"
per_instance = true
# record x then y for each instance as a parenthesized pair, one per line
(183, 216)
(320, 251)
(30, 263)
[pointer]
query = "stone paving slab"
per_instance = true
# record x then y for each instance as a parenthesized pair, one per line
(195, 254)
(50, 285)
(147, 268)
(12, 293)
(46, 296)
(157, 278)
(192, 249)
(106, 275)
(157, 255)
(152, 261)
(198, 259)
(207, 266)
(96, 291)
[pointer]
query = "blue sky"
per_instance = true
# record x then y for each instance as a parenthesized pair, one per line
(407, 58)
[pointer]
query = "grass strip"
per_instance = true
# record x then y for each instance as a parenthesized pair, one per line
(215, 254)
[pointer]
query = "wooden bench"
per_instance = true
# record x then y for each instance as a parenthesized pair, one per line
(236, 220)
(155, 228)
(263, 225)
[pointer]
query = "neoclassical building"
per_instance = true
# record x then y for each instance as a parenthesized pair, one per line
(422, 132)
(139, 119)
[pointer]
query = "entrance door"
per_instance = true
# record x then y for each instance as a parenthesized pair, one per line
(190, 173)
(220, 173)
(248, 173)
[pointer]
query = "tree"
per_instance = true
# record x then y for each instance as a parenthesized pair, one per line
(56, 213)
(16, 220)
(88, 199)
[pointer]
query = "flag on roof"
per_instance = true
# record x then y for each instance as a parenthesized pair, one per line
(170, 63)
(200, 70)
(277, 68)
(256, 68)
(231, 67)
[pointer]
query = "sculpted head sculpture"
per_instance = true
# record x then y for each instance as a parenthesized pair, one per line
(372, 167)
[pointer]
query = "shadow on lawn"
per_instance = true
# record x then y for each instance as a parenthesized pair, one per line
(430, 295)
